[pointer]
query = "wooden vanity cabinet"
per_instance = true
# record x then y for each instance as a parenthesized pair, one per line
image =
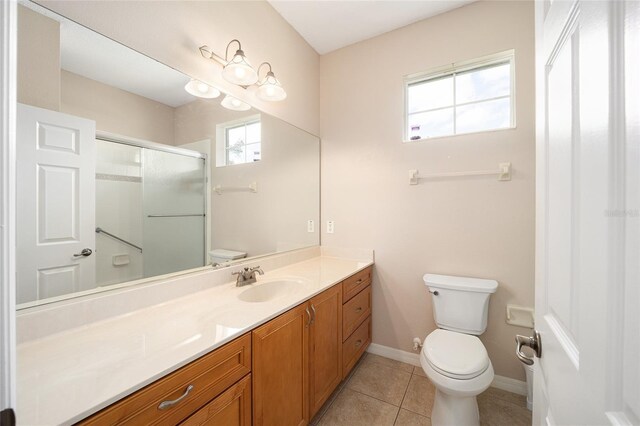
(281, 373)
(325, 350)
(280, 369)
(190, 388)
(356, 318)
(231, 408)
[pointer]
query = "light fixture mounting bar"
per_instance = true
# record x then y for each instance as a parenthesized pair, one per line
(209, 54)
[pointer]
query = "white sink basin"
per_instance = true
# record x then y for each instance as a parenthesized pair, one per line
(270, 290)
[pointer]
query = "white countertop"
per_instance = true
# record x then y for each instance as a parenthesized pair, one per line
(71, 375)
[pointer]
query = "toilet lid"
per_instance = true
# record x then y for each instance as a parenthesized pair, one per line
(455, 355)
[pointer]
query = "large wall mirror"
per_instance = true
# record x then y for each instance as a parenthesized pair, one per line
(128, 169)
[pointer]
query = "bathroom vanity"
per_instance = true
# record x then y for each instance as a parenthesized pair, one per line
(285, 369)
(225, 354)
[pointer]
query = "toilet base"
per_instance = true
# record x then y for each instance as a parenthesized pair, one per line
(451, 410)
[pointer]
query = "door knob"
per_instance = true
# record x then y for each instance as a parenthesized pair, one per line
(534, 342)
(84, 253)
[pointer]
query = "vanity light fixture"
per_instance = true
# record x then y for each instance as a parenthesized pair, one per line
(270, 88)
(229, 102)
(238, 71)
(201, 90)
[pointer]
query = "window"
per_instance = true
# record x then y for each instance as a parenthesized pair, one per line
(242, 142)
(463, 98)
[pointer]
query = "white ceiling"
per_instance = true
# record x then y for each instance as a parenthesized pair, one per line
(329, 25)
(94, 56)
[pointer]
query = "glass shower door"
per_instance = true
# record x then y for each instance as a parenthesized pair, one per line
(173, 212)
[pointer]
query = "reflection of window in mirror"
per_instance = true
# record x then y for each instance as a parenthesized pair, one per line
(241, 141)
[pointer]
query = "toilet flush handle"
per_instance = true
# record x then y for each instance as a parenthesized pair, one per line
(434, 292)
(534, 342)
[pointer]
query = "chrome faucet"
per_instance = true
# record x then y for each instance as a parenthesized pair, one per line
(247, 276)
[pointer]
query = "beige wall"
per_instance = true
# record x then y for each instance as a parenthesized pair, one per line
(172, 31)
(38, 60)
(197, 120)
(274, 218)
(115, 110)
(476, 227)
(287, 176)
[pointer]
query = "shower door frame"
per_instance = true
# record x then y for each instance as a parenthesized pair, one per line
(141, 143)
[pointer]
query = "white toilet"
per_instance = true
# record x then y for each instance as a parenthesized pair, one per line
(453, 358)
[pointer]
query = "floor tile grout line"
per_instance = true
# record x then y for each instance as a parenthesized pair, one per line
(403, 397)
(377, 399)
(341, 387)
(330, 404)
(417, 414)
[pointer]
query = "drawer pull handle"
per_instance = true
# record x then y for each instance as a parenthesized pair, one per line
(309, 316)
(313, 316)
(358, 309)
(358, 343)
(168, 404)
(359, 281)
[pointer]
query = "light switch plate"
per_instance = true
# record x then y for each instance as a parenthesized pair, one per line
(311, 226)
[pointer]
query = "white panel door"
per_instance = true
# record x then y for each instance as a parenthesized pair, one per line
(587, 236)
(56, 162)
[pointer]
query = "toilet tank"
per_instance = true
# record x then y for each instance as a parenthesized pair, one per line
(220, 256)
(460, 303)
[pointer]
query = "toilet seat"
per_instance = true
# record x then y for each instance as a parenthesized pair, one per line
(455, 355)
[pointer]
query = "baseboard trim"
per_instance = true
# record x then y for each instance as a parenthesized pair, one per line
(510, 385)
(393, 353)
(500, 382)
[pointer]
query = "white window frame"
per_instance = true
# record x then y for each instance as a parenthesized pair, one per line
(458, 68)
(221, 139)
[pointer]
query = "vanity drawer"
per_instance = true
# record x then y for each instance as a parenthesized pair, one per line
(354, 346)
(355, 283)
(231, 408)
(209, 376)
(355, 311)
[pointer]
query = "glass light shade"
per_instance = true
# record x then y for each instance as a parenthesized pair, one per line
(239, 71)
(271, 89)
(201, 90)
(229, 102)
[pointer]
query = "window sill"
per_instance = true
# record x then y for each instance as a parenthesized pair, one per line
(459, 134)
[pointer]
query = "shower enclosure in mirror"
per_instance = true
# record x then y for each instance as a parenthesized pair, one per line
(129, 170)
(147, 200)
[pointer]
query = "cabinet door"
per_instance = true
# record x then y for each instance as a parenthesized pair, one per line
(325, 357)
(280, 369)
(231, 408)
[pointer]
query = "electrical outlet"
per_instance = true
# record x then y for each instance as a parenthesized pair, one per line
(311, 226)
(330, 227)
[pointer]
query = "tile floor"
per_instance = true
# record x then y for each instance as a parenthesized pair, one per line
(381, 391)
